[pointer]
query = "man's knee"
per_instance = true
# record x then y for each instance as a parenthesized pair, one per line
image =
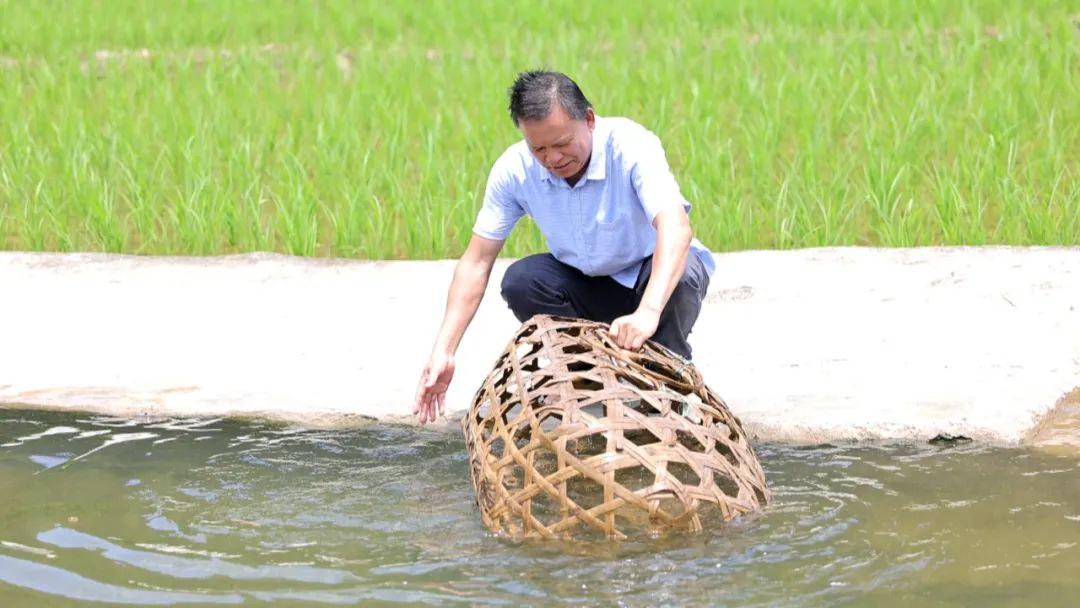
(514, 284)
(688, 288)
(529, 282)
(692, 286)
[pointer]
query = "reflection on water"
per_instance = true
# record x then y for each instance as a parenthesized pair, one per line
(219, 511)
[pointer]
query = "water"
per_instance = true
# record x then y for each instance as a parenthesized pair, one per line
(188, 512)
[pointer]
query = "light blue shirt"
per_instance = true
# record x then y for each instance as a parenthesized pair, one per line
(603, 224)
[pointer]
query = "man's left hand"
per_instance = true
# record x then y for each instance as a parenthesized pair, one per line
(631, 331)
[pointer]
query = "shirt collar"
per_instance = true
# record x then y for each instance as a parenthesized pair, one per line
(598, 160)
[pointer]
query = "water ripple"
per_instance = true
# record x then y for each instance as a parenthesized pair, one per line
(184, 567)
(224, 511)
(53, 580)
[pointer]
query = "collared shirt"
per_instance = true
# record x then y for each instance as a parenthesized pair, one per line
(603, 224)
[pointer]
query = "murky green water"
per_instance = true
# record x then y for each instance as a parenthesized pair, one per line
(96, 509)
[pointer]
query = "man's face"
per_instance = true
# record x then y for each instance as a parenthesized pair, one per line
(563, 145)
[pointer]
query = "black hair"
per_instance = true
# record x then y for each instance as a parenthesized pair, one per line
(533, 92)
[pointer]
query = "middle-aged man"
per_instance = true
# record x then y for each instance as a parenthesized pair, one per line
(601, 192)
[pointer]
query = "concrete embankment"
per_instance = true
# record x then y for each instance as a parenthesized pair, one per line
(805, 346)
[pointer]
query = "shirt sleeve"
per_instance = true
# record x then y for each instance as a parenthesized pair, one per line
(652, 178)
(500, 210)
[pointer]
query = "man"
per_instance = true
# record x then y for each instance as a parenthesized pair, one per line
(601, 192)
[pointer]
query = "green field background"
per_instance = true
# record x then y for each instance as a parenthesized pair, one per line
(367, 129)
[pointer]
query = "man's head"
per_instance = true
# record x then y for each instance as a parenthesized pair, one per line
(556, 120)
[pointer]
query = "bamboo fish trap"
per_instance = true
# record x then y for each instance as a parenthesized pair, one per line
(571, 434)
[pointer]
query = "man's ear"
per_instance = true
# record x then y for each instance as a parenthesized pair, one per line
(590, 118)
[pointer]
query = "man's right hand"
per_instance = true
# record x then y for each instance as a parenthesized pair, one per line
(431, 392)
(466, 291)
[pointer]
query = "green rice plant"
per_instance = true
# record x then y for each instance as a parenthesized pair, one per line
(367, 129)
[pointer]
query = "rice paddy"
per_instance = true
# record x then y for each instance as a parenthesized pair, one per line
(367, 129)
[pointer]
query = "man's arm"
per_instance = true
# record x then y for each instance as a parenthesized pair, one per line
(673, 236)
(466, 291)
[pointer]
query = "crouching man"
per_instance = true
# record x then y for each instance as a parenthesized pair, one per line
(602, 194)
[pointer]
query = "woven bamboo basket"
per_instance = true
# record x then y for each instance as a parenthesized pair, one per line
(571, 434)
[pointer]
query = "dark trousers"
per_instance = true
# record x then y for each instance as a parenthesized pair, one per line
(540, 284)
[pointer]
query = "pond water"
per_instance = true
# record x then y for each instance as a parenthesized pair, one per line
(204, 511)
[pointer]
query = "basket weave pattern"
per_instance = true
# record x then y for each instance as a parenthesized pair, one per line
(570, 433)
